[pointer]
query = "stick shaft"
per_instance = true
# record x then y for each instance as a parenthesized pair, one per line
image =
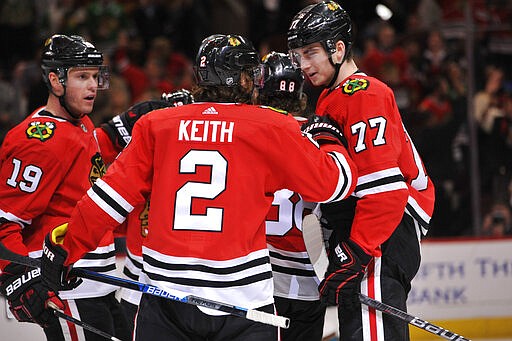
(84, 325)
(254, 315)
(415, 321)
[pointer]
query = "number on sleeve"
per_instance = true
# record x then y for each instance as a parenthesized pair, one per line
(31, 176)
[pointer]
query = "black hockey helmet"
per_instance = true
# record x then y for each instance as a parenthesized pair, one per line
(222, 58)
(178, 97)
(278, 74)
(61, 52)
(325, 22)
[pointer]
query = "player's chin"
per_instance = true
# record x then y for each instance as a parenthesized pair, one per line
(87, 107)
(316, 80)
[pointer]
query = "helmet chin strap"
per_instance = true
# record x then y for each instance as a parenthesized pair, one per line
(337, 68)
(62, 101)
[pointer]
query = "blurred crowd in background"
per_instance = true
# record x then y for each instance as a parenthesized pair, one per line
(419, 48)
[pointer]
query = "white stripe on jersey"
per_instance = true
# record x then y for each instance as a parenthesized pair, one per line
(419, 211)
(288, 263)
(114, 196)
(378, 175)
(344, 180)
(90, 288)
(102, 260)
(252, 295)
(366, 180)
(204, 275)
(12, 218)
(292, 284)
(381, 189)
(130, 265)
(129, 295)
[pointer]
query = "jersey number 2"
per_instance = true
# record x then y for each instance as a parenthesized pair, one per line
(212, 219)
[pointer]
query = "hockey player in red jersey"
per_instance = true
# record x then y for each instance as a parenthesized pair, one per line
(280, 85)
(137, 226)
(211, 169)
(48, 162)
(375, 246)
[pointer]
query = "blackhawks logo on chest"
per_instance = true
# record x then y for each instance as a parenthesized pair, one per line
(98, 168)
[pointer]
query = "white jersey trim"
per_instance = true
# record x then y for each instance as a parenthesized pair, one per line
(251, 296)
(344, 180)
(14, 219)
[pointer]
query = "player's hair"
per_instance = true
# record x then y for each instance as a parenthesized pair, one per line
(325, 22)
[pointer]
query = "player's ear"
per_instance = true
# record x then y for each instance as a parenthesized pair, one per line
(57, 87)
(340, 51)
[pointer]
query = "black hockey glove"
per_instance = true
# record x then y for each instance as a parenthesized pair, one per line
(120, 127)
(53, 271)
(28, 297)
(342, 283)
(178, 98)
(324, 130)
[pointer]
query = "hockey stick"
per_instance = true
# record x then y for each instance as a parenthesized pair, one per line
(79, 323)
(250, 314)
(313, 239)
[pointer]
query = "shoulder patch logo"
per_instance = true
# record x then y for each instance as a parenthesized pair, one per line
(352, 86)
(40, 131)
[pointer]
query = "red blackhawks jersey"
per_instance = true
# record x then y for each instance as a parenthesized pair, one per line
(47, 165)
(392, 178)
(211, 170)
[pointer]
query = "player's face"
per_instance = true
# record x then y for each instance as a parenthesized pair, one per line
(81, 89)
(314, 62)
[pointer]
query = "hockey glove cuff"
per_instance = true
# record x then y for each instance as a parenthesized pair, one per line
(339, 216)
(324, 130)
(178, 98)
(54, 273)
